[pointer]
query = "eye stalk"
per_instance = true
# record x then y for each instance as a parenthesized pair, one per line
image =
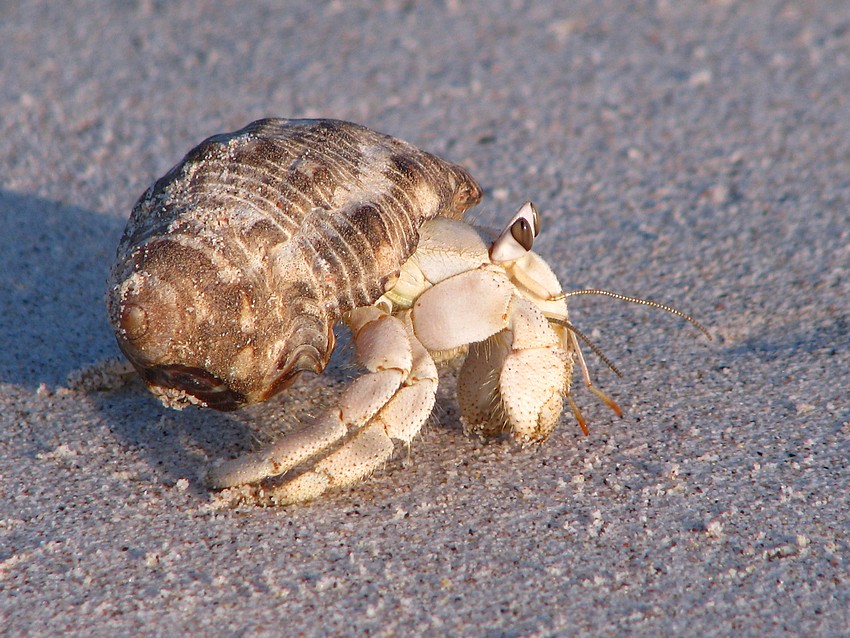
(518, 236)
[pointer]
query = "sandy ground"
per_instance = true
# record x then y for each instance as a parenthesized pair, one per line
(696, 153)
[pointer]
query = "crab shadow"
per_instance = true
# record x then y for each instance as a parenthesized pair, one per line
(54, 260)
(796, 339)
(53, 264)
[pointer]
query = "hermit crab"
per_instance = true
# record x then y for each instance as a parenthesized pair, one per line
(235, 266)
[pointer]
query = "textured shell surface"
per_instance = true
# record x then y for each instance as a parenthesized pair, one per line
(236, 264)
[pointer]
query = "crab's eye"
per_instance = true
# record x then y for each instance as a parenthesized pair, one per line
(518, 236)
(522, 232)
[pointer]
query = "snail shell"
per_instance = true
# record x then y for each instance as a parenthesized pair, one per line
(236, 264)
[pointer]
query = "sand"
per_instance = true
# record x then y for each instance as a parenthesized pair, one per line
(695, 153)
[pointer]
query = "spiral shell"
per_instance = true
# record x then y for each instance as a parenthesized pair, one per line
(236, 264)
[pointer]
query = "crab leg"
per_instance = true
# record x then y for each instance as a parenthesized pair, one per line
(390, 402)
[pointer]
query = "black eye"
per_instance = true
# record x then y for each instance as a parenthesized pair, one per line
(521, 231)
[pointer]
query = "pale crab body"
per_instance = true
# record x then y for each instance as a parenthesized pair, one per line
(461, 298)
(450, 295)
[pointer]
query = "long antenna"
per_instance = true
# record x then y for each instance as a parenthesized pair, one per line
(637, 300)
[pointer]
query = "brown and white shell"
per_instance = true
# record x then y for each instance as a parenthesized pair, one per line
(236, 264)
